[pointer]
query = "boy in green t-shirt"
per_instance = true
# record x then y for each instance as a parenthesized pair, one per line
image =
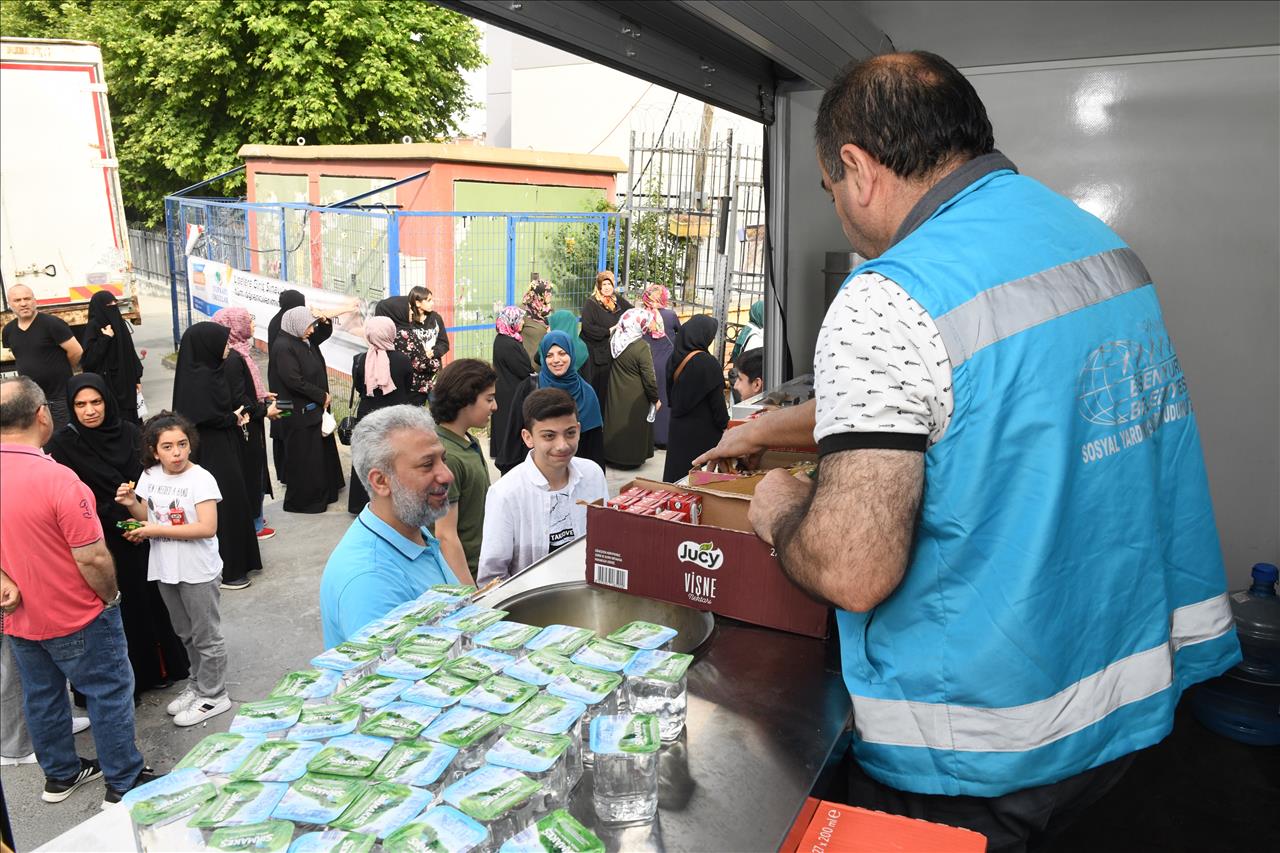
(462, 399)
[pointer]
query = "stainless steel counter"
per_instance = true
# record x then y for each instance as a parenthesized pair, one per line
(766, 710)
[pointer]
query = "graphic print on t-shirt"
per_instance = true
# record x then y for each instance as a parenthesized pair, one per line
(560, 523)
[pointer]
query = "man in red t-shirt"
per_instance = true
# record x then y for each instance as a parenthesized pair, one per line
(66, 624)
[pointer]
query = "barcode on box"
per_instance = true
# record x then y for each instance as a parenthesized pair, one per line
(610, 576)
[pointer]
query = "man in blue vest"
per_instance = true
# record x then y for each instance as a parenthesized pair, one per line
(1011, 514)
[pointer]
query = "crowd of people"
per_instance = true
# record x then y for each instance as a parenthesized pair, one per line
(148, 521)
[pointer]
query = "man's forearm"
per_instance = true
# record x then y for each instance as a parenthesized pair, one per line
(100, 574)
(790, 426)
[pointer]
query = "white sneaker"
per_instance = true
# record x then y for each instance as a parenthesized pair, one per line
(79, 724)
(201, 710)
(6, 761)
(182, 703)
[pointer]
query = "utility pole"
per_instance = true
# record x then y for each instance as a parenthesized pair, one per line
(693, 245)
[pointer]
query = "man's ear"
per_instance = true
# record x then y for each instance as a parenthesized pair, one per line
(861, 170)
(528, 438)
(379, 483)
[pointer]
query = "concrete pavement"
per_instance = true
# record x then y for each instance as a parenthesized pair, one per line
(270, 628)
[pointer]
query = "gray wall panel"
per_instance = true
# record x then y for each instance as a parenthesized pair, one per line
(1181, 156)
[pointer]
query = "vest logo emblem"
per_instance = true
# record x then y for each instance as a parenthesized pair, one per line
(1137, 386)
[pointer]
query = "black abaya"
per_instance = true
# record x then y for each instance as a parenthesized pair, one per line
(401, 375)
(288, 299)
(202, 395)
(112, 356)
(597, 327)
(698, 411)
(103, 458)
(313, 472)
(257, 480)
(511, 363)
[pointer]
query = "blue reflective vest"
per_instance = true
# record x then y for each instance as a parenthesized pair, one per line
(1065, 583)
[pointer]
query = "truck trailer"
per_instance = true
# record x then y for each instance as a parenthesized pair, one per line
(62, 225)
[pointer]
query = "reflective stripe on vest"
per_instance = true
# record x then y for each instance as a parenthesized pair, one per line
(1016, 306)
(1017, 729)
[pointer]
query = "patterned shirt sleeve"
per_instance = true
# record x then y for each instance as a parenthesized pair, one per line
(882, 376)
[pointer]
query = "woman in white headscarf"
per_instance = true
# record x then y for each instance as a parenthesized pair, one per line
(297, 373)
(633, 388)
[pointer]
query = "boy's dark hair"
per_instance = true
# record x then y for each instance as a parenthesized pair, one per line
(751, 364)
(913, 112)
(545, 404)
(157, 424)
(458, 386)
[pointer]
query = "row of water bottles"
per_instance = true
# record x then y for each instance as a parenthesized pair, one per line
(1244, 704)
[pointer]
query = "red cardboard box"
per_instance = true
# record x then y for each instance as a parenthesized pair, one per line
(718, 565)
(836, 828)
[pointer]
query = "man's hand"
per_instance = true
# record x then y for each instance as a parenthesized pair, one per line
(791, 426)
(738, 443)
(10, 595)
(273, 411)
(777, 497)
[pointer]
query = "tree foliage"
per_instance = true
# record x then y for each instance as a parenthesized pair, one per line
(193, 80)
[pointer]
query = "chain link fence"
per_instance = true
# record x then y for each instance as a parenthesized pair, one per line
(695, 222)
(474, 263)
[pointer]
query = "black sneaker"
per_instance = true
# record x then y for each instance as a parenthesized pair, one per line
(113, 796)
(56, 792)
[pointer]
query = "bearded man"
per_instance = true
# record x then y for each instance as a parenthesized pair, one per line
(388, 556)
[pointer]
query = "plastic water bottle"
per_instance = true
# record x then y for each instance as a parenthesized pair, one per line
(1244, 704)
(1257, 615)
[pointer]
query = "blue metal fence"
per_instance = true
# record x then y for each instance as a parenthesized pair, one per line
(474, 262)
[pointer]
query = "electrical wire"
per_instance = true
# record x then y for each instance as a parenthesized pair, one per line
(629, 111)
(656, 145)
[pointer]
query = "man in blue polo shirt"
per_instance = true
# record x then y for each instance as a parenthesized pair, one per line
(387, 556)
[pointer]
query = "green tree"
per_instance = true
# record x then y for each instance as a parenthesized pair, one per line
(193, 80)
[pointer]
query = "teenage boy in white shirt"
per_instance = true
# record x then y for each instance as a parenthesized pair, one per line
(535, 509)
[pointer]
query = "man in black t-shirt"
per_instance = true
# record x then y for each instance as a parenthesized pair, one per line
(44, 349)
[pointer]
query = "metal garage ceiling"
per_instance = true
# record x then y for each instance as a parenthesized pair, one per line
(734, 53)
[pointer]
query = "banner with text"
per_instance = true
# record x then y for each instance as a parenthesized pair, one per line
(214, 285)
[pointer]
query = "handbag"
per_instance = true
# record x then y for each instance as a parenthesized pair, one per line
(348, 424)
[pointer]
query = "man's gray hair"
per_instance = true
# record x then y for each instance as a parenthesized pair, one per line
(19, 405)
(371, 444)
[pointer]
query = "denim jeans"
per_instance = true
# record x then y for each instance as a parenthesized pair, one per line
(96, 660)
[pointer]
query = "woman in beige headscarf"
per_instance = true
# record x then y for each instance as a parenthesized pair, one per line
(600, 314)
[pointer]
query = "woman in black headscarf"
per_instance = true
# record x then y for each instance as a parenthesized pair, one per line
(105, 450)
(695, 387)
(297, 373)
(280, 428)
(201, 395)
(109, 352)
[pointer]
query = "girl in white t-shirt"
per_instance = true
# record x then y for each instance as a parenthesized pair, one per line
(176, 502)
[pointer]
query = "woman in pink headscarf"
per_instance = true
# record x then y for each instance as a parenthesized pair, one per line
(664, 324)
(248, 390)
(512, 364)
(382, 376)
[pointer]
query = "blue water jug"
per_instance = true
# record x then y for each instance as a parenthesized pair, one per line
(1257, 615)
(1244, 704)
